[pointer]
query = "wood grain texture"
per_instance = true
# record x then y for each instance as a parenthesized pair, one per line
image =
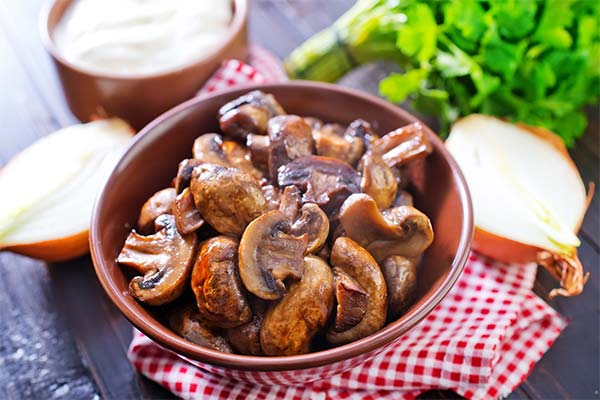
(60, 337)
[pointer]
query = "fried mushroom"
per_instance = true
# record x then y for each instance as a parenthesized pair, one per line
(346, 148)
(400, 275)
(165, 260)
(289, 203)
(245, 339)
(247, 114)
(355, 261)
(291, 323)
(313, 223)
(187, 216)
(403, 231)
(269, 254)
(216, 284)
(227, 198)
(351, 301)
(403, 145)
(378, 181)
(290, 137)
(160, 203)
(184, 173)
(212, 149)
(187, 323)
(325, 181)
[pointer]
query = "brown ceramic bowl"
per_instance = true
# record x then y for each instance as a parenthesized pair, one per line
(138, 99)
(151, 162)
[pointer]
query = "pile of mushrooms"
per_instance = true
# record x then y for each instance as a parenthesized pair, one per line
(280, 230)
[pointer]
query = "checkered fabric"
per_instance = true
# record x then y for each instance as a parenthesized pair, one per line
(481, 341)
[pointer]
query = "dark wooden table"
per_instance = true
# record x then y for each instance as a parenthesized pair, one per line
(60, 337)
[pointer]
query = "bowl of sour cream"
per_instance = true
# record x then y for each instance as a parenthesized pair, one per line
(136, 59)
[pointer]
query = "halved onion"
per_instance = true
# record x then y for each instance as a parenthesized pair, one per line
(49, 188)
(528, 197)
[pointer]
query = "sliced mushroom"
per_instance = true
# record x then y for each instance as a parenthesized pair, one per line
(269, 254)
(289, 203)
(400, 275)
(187, 323)
(403, 198)
(352, 259)
(313, 222)
(332, 129)
(258, 145)
(184, 174)
(160, 203)
(187, 216)
(212, 149)
(378, 181)
(403, 145)
(363, 130)
(403, 231)
(227, 198)
(291, 323)
(165, 260)
(290, 138)
(347, 149)
(351, 301)
(216, 284)
(248, 114)
(245, 339)
(313, 122)
(272, 196)
(326, 181)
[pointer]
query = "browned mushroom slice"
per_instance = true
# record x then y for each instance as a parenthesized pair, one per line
(269, 254)
(403, 198)
(184, 174)
(378, 181)
(289, 203)
(160, 203)
(400, 275)
(245, 339)
(187, 323)
(403, 145)
(217, 286)
(363, 130)
(351, 301)
(313, 122)
(212, 149)
(248, 114)
(165, 260)
(346, 148)
(290, 138)
(403, 231)
(326, 181)
(258, 145)
(349, 257)
(227, 198)
(272, 196)
(332, 129)
(291, 323)
(187, 216)
(314, 223)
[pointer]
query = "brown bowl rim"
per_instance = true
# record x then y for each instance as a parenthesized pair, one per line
(390, 332)
(240, 17)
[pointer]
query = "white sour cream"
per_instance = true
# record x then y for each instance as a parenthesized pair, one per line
(139, 37)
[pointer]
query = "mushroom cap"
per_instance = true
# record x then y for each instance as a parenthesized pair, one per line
(158, 204)
(363, 130)
(291, 323)
(400, 275)
(184, 173)
(210, 148)
(378, 181)
(325, 181)
(164, 258)
(269, 253)
(346, 148)
(352, 259)
(313, 223)
(216, 284)
(403, 230)
(227, 198)
(187, 323)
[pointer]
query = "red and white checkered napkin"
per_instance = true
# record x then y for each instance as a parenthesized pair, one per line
(481, 341)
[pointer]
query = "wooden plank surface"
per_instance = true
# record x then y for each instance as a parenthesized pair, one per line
(60, 337)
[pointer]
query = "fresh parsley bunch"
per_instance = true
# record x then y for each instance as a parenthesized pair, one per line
(536, 62)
